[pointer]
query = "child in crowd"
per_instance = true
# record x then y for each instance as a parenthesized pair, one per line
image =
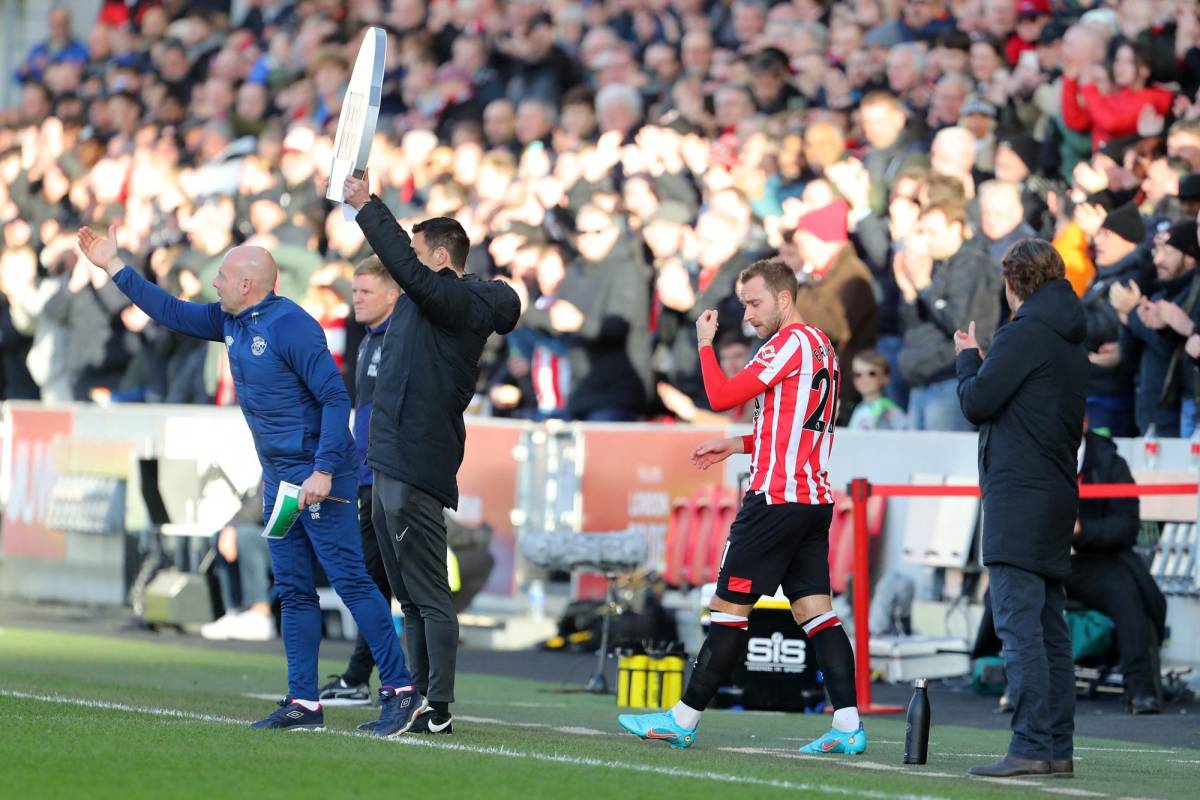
(876, 411)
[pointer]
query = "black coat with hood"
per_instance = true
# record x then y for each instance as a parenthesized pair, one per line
(1027, 397)
(430, 361)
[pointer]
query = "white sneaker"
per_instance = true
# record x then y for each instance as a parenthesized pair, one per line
(220, 629)
(250, 626)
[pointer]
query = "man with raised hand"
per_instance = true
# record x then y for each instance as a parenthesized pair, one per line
(780, 537)
(427, 376)
(298, 410)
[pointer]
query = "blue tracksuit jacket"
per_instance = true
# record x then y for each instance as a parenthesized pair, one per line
(288, 387)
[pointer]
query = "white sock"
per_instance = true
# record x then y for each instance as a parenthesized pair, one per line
(311, 705)
(685, 716)
(846, 720)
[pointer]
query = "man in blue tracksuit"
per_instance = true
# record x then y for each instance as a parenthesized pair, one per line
(298, 411)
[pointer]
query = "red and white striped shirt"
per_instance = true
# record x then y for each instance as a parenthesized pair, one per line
(794, 417)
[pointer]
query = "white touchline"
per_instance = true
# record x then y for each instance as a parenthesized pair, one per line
(503, 752)
(858, 763)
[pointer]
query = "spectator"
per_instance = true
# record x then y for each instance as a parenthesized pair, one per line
(946, 103)
(600, 306)
(773, 94)
(1189, 195)
(1120, 260)
(890, 147)
(836, 291)
(27, 298)
(1016, 161)
(619, 109)
(1002, 218)
(880, 240)
(1110, 113)
(534, 122)
(946, 280)
(906, 73)
(686, 290)
(243, 573)
(952, 155)
(166, 367)
(97, 343)
(733, 353)
(500, 125)
(61, 47)
(1146, 337)
(1175, 253)
(870, 372)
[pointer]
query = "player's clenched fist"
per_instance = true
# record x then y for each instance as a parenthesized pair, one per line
(706, 327)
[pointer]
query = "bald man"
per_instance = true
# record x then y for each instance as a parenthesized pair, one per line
(298, 410)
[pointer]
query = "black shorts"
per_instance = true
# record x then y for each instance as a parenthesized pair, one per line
(776, 545)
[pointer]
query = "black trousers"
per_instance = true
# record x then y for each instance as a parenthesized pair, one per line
(358, 671)
(1028, 611)
(1106, 585)
(412, 542)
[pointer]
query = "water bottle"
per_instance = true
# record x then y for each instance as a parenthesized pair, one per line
(916, 727)
(1150, 447)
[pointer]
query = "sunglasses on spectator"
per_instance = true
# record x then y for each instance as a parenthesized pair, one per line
(866, 373)
(593, 232)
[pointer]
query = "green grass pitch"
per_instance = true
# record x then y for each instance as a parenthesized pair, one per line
(100, 717)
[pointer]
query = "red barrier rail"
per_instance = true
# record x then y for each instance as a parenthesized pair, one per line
(1087, 491)
(862, 490)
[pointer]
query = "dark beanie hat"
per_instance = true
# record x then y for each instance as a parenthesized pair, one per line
(1189, 187)
(1024, 147)
(1118, 147)
(1127, 223)
(1183, 238)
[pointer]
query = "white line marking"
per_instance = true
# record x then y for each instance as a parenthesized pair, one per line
(571, 729)
(504, 752)
(276, 696)
(859, 763)
(1126, 750)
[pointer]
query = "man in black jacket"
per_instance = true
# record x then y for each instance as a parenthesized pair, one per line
(1107, 575)
(427, 376)
(1146, 339)
(1027, 396)
(1120, 260)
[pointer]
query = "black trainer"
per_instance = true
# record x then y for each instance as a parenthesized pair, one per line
(292, 716)
(339, 693)
(432, 722)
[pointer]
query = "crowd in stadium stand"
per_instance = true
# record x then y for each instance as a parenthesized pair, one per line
(620, 162)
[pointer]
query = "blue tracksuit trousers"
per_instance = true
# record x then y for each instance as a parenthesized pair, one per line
(328, 532)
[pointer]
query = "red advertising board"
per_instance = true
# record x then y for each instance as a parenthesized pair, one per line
(31, 475)
(632, 476)
(487, 488)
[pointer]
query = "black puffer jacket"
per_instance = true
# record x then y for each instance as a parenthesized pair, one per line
(430, 360)
(1103, 324)
(1027, 397)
